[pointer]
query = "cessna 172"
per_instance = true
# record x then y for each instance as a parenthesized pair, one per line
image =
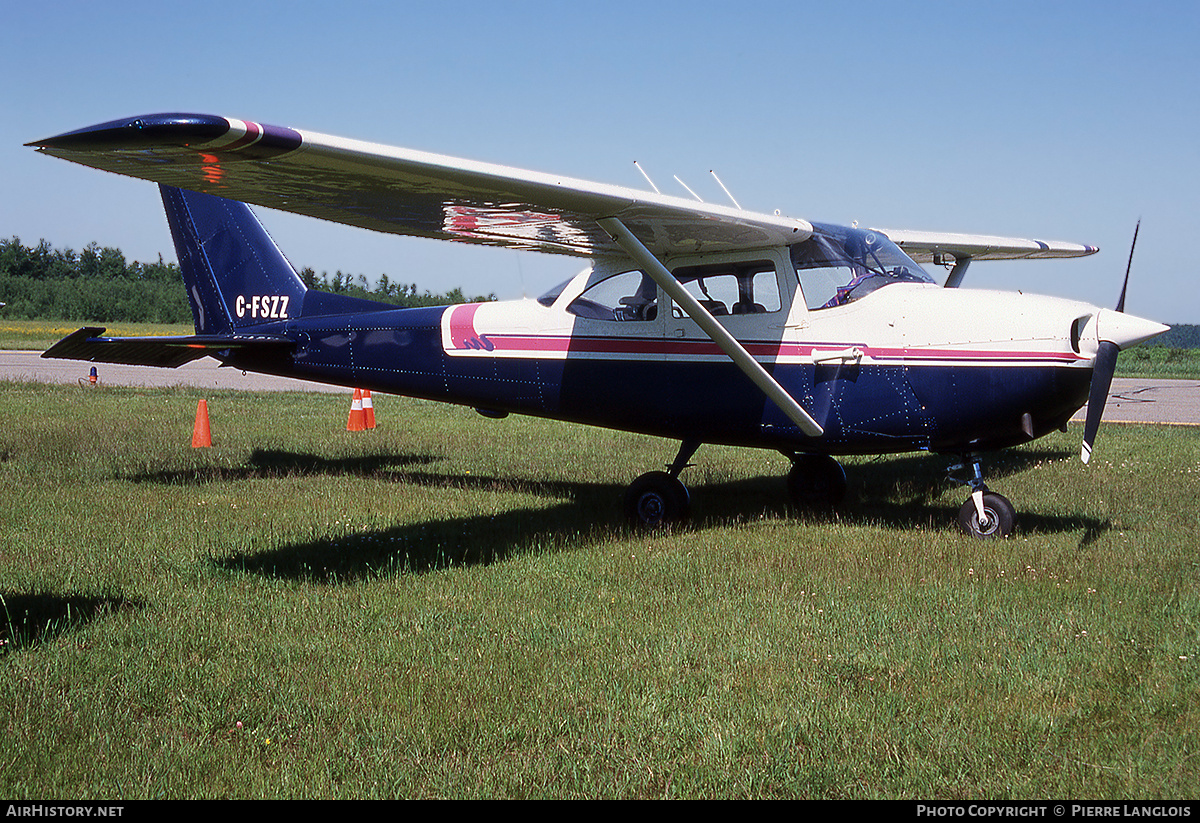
(695, 322)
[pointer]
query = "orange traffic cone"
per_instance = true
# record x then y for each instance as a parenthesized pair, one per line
(368, 409)
(357, 422)
(201, 436)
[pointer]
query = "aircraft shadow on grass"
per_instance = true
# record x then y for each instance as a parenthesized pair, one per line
(28, 619)
(897, 493)
(269, 463)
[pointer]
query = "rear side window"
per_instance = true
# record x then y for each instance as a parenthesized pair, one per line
(733, 288)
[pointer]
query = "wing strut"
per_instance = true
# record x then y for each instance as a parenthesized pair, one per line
(958, 272)
(726, 341)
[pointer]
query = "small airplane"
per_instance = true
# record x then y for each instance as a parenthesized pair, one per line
(697, 322)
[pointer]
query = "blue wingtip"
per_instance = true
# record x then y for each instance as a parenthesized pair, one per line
(174, 130)
(144, 129)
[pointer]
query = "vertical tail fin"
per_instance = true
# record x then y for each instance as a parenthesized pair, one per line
(234, 273)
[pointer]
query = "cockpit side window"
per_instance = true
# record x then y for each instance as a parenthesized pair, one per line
(839, 265)
(732, 288)
(628, 296)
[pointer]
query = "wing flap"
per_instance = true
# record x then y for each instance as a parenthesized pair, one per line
(167, 352)
(408, 192)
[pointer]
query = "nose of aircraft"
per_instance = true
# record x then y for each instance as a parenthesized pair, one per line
(1110, 331)
(1125, 330)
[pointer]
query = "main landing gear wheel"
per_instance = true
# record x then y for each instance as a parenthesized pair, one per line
(997, 520)
(816, 482)
(656, 499)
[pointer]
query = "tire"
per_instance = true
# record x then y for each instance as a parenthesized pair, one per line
(1001, 517)
(656, 500)
(816, 482)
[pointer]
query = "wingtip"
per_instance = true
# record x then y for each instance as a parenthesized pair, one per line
(141, 130)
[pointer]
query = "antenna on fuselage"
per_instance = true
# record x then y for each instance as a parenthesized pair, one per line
(722, 185)
(648, 180)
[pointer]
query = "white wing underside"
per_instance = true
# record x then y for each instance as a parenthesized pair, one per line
(416, 193)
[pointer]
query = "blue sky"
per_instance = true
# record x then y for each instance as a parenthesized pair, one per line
(1065, 121)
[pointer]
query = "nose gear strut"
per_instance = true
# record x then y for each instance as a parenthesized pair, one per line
(986, 514)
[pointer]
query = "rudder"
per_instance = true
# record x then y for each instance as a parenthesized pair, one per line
(234, 273)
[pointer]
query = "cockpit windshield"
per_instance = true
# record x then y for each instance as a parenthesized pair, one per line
(839, 265)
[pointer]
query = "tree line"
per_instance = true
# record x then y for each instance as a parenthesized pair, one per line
(1181, 336)
(99, 285)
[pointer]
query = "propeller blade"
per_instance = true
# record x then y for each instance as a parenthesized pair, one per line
(1128, 266)
(1106, 365)
(1102, 375)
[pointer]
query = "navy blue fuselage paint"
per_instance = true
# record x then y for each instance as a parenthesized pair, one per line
(868, 409)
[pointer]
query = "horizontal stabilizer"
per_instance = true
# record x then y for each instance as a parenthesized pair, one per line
(166, 352)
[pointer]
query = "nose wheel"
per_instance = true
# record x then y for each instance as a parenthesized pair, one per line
(986, 515)
(991, 515)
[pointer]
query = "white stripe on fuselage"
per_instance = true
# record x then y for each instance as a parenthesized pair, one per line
(911, 326)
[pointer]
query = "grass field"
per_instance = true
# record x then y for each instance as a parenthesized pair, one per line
(1159, 361)
(449, 606)
(39, 335)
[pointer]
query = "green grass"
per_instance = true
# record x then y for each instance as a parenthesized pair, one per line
(449, 606)
(1159, 361)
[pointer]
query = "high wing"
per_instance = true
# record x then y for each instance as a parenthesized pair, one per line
(925, 246)
(407, 192)
(403, 191)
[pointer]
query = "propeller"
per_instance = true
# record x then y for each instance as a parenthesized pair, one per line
(1112, 329)
(1128, 266)
(1102, 375)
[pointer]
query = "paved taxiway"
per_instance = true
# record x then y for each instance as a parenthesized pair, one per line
(1132, 400)
(1143, 400)
(203, 373)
